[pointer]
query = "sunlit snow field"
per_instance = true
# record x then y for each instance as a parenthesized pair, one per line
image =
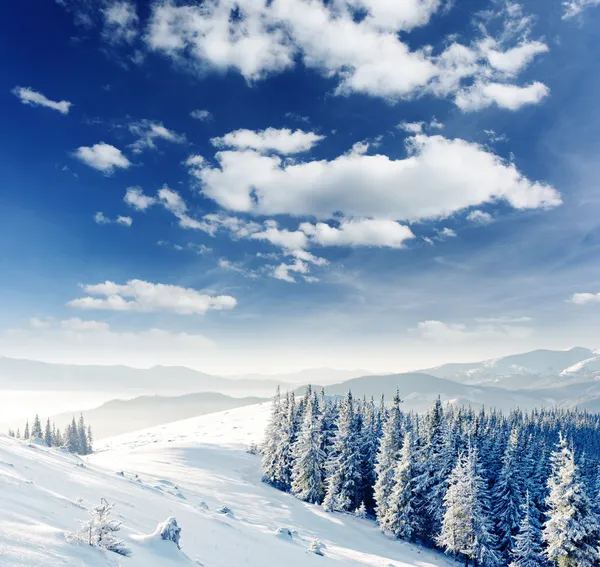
(187, 469)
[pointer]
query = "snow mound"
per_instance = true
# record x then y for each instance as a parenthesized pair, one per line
(284, 533)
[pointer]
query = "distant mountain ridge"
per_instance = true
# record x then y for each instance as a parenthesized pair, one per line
(517, 371)
(25, 374)
(540, 378)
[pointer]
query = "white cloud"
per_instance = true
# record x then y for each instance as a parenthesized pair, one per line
(514, 60)
(79, 325)
(139, 295)
(585, 298)
(125, 221)
(362, 232)
(480, 217)
(284, 271)
(445, 233)
(120, 22)
(365, 56)
(283, 141)
(411, 127)
(440, 331)
(28, 96)
(283, 238)
(101, 219)
(102, 157)
(135, 198)
(148, 131)
(511, 97)
(575, 7)
(430, 183)
(202, 115)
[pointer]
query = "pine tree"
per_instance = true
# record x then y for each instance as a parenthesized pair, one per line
(369, 442)
(26, 433)
(436, 464)
(36, 430)
(527, 549)
(387, 454)
(401, 518)
(466, 527)
(90, 439)
(100, 530)
(48, 434)
(270, 465)
(309, 459)
(18, 433)
(572, 532)
(82, 437)
(507, 495)
(344, 480)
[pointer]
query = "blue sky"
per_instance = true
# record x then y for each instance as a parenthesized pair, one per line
(239, 187)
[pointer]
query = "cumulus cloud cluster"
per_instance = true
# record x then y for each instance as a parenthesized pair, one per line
(431, 182)
(366, 54)
(139, 295)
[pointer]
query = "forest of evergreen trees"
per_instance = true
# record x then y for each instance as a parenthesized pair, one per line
(489, 489)
(75, 437)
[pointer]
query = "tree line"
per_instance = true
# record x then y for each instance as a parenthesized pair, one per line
(75, 437)
(490, 489)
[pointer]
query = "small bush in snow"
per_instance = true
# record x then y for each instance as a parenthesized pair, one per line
(224, 510)
(361, 511)
(100, 529)
(316, 547)
(170, 531)
(253, 449)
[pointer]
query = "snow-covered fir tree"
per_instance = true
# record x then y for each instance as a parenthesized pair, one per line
(467, 526)
(389, 447)
(100, 530)
(308, 471)
(344, 482)
(401, 518)
(572, 531)
(527, 547)
(36, 430)
(508, 495)
(473, 469)
(270, 462)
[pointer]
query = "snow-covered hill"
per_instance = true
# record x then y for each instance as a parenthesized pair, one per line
(535, 369)
(187, 469)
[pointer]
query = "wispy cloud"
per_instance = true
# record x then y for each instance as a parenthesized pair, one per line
(28, 96)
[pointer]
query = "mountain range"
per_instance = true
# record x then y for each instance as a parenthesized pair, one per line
(541, 378)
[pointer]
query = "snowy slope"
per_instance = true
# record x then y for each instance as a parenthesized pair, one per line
(187, 470)
(590, 367)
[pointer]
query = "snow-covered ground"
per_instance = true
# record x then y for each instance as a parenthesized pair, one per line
(187, 469)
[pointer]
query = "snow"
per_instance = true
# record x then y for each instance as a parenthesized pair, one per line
(587, 367)
(185, 470)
